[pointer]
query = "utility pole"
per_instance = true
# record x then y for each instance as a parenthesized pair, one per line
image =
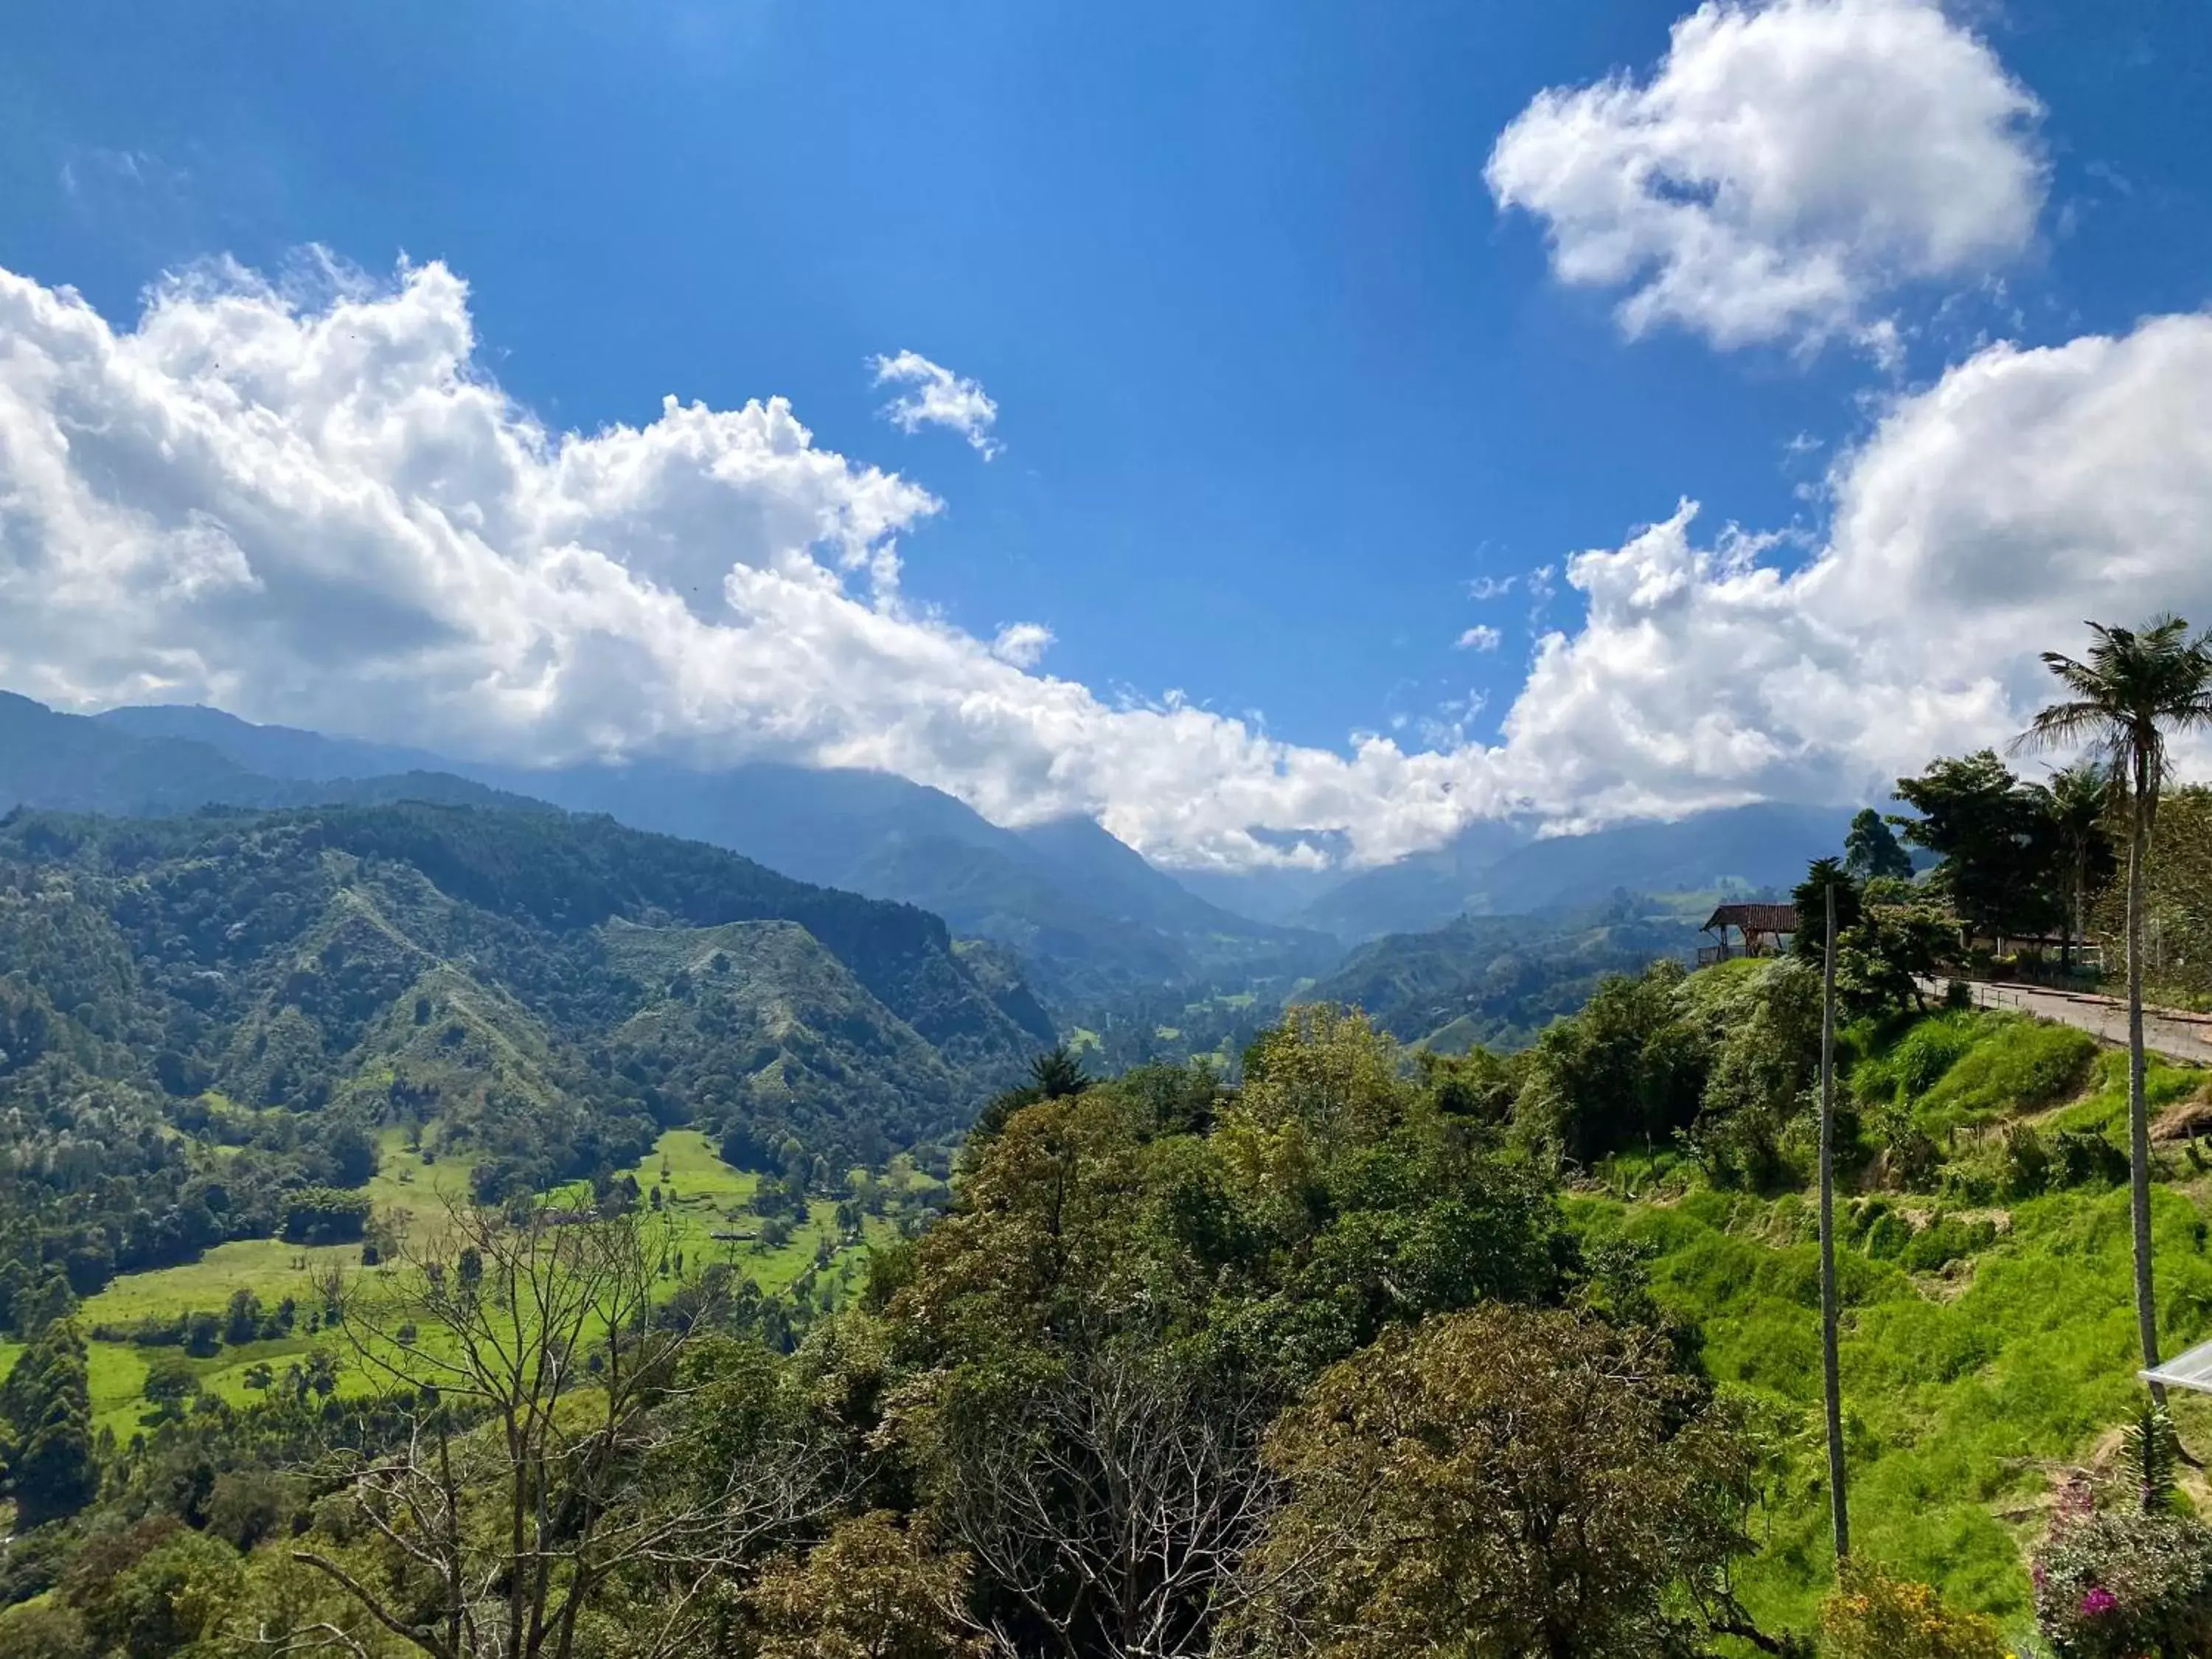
(1831, 1376)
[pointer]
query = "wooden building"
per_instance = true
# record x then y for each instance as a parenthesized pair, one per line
(1759, 930)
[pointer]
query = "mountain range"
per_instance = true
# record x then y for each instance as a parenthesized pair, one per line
(1087, 916)
(1497, 980)
(1482, 939)
(540, 991)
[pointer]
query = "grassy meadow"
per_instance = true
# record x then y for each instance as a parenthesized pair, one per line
(700, 1195)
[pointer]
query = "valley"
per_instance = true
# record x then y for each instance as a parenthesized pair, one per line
(926, 1200)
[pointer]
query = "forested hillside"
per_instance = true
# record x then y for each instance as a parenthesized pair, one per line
(1497, 980)
(1088, 915)
(534, 993)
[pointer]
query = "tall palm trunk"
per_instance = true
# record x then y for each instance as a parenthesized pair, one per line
(1831, 1370)
(2080, 931)
(2138, 1109)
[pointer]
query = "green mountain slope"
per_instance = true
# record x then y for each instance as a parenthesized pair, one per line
(537, 993)
(754, 1024)
(1497, 980)
(1088, 914)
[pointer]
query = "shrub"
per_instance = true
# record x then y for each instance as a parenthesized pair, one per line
(2028, 1161)
(1945, 1240)
(2122, 1584)
(1874, 1616)
(2015, 1065)
(1889, 1238)
(2084, 1157)
(1928, 1050)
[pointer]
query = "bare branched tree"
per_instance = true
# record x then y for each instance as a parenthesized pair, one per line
(554, 1459)
(1112, 1499)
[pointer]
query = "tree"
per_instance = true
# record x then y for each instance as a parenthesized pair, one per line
(873, 1589)
(2177, 897)
(1623, 1074)
(1826, 880)
(1871, 850)
(241, 1322)
(1055, 1074)
(1108, 1498)
(1996, 845)
(556, 1456)
(171, 1387)
(1874, 1616)
(160, 1593)
(2137, 687)
(1504, 1482)
(1827, 876)
(2075, 801)
(46, 1415)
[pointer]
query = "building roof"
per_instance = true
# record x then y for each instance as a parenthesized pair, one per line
(1754, 918)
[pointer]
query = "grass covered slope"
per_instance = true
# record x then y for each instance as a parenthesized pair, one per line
(1988, 1346)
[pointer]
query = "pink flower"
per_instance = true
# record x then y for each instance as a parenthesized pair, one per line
(2097, 1601)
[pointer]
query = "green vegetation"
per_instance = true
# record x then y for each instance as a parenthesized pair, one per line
(406, 1201)
(1245, 1274)
(1496, 981)
(206, 1022)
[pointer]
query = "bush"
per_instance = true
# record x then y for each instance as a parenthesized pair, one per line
(1945, 1240)
(2124, 1584)
(1888, 1238)
(2028, 1161)
(44, 1632)
(2014, 1065)
(1874, 1616)
(2084, 1157)
(1928, 1050)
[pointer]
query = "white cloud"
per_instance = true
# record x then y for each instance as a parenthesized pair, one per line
(1490, 588)
(1481, 637)
(323, 511)
(1022, 644)
(326, 515)
(937, 397)
(1786, 166)
(1984, 521)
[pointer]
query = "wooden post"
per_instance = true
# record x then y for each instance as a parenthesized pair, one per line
(1831, 1371)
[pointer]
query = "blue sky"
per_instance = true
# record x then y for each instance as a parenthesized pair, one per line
(1277, 375)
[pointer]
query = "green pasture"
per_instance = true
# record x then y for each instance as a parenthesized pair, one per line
(700, 1196)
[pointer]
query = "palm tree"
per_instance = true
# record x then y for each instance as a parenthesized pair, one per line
(2075, 801)
(1827, 875)
(2138, 686)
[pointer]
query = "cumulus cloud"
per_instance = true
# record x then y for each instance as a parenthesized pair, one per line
(1490, 588)
(1481, 637)
(1983, 521)
(1022, 644)
(324, 512)
(935, 395)
(1788, 166)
